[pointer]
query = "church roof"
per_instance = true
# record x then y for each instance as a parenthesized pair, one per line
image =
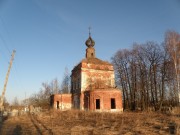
(106, 89)
(95, 61)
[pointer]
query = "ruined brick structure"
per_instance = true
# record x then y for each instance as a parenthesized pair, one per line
(92, 84)
(61, 101)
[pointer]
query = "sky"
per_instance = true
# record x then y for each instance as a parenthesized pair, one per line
(50, 35)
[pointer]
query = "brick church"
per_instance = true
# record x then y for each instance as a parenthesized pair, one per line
(92, 85)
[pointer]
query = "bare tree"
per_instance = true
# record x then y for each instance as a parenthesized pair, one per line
(172, 42)
(42, 98)
(55, 86)
(65, 86)
(145, 76)
(15, 102)
(5, 103)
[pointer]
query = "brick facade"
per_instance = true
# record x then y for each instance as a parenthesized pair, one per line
(93, 84)
(109, 100)
(61, 101)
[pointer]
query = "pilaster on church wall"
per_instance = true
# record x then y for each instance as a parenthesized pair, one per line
(83, 80)
(113, 79)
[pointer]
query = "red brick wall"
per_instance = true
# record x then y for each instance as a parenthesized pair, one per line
(64, 101)
(105, 99)
(97, 66)
(97, 77)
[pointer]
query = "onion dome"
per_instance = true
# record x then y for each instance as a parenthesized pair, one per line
(90, 42)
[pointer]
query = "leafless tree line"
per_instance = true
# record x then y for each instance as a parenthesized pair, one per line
(148, 74)
(42, 98)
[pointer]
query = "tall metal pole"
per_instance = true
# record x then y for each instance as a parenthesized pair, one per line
(6, 80)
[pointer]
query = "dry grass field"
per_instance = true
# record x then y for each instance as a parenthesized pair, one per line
(91, 123)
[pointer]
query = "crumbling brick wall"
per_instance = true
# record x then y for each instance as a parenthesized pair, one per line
(61, 101)
(106, 100)
(96, 77)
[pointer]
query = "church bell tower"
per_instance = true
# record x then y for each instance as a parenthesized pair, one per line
(90, 51)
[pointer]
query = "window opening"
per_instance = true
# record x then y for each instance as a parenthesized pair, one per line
(97, 103)
(113, 103)
(57, 104)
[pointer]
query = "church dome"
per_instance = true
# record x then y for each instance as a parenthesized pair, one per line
(90, 42)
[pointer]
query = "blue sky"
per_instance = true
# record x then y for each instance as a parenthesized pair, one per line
(49, 35)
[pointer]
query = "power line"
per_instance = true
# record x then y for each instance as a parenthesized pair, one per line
(3, 40)
(5, 44)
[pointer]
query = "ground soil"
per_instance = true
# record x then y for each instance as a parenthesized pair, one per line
(91, 123)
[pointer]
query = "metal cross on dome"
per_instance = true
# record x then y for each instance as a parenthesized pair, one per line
(89, 31)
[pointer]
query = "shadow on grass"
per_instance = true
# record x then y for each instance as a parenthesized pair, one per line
(17, 130)
(2, 119)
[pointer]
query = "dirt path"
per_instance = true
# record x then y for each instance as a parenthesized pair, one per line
(23, 125)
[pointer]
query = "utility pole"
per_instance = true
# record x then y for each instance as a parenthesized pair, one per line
(6, 81)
